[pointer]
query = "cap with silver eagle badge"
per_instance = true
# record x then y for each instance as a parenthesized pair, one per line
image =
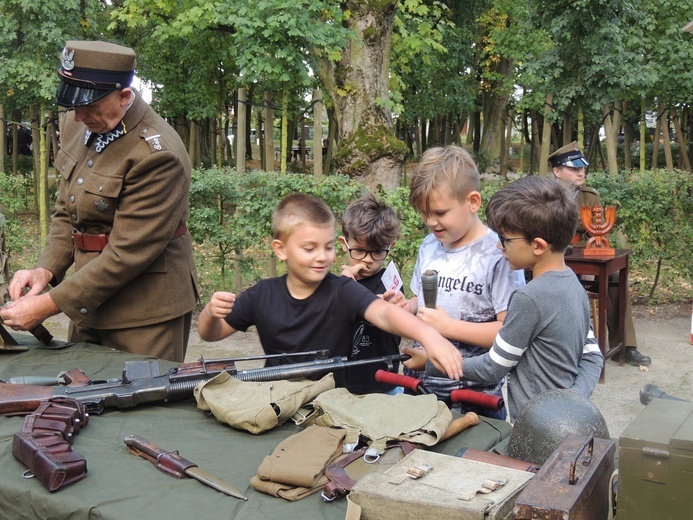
(569, 155)
(90, 70)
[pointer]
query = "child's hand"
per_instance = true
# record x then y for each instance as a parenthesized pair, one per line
(444, 356)
(397, 298)
(436, 318)
(417, 361)
(352, 270)
(220, 304)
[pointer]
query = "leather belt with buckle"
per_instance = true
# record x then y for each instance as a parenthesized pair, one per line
(87, 242)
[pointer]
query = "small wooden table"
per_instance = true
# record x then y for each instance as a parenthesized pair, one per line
(601, 267)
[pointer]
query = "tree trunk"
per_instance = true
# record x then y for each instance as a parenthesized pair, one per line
(42, 173)
(35, 129)
(655, 141)
(506, 144)
(3, 135)
(269, 132)
(494, 103)
(546, 137)
(241, 128)
(317, 134)
(683, 149)
(665, 138)
(643, 136)
(612, 156)
(368, 151)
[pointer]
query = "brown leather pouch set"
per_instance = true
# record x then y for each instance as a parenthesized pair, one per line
(346, 470)
(45, 443)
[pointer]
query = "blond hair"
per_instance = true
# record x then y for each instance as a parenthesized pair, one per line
(448, 168)
(300, 208)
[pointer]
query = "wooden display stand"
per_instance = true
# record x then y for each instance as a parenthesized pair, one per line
(597, 227)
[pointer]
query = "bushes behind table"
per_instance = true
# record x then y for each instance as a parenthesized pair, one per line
(231, 224)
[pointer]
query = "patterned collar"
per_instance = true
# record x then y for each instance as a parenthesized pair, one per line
(103, 140)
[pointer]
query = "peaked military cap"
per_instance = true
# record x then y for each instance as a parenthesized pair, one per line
(569, 155)
(90, 70)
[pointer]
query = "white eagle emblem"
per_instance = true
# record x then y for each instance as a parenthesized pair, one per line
(67, 59)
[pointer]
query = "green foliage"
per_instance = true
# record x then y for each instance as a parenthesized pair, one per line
(233, 212)
(32, 34)
(15, 191)
(412, 232)
(654, 212)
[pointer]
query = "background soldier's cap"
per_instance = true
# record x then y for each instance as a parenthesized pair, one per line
(569, 155)
(90, 70)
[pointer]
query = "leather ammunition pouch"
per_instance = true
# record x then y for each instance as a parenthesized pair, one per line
(44, 444)
(50, 459)
(344, 472)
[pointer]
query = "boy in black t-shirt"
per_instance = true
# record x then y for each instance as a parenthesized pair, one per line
(310, 308)
(370, 229)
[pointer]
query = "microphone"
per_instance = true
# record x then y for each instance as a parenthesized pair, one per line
(429, 285)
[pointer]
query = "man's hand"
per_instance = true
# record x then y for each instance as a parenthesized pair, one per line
(220, 304)
(28, 312)
(36, 279)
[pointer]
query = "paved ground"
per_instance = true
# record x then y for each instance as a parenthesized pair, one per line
(663, 334)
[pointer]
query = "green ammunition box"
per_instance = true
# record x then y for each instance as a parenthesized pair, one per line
(656, 463)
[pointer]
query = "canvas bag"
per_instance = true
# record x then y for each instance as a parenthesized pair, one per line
(451, 489)
(380, 418)
(257, 406)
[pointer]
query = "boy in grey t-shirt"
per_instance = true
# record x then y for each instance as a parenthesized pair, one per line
(546, 341)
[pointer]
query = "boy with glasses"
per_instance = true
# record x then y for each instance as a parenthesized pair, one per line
(370, 228)
(546, 341)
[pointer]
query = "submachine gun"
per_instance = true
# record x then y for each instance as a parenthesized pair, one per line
(141, 381)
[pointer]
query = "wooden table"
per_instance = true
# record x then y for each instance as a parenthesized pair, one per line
(601, 267)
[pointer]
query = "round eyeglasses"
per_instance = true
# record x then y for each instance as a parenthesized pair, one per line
(359, 254)
(503, 240)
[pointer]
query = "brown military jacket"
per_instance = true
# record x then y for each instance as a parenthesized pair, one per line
(136, 189)
(586, 196)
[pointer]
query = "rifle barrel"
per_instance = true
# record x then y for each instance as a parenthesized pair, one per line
(142, 385)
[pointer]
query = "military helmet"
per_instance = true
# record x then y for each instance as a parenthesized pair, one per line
(548, 419)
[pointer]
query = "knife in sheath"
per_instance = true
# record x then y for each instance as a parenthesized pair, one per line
(171, 463)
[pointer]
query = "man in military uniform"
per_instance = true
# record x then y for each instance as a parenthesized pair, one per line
(120, 217)
(569, 165)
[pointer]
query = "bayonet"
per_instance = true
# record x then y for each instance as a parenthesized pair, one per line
(171, 463)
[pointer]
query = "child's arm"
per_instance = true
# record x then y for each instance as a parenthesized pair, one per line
(590, 367)
(441, 352)
(211, 324)
(480, 334)
(396, 297)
